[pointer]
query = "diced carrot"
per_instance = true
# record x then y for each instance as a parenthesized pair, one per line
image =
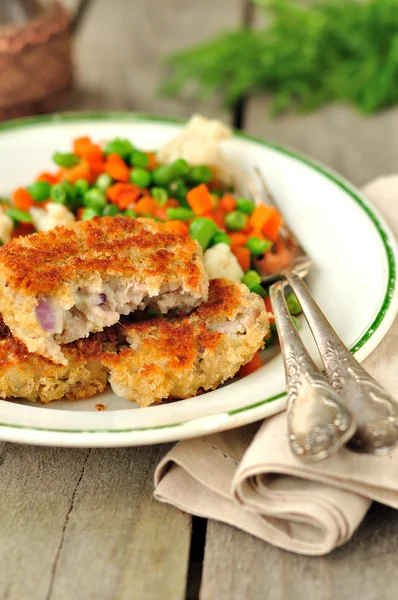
(118, 189)
(273, 224)
(93, 154)
(219, 218)
(256, 233)
(227, 203)
(116, 168)
(161, 213)
(237, 238)
(176, 227)
(97, 166)
(199, 199)
(146, 205)
(260, 216)
(61, 173)
(251, 366)
(268, 308)
(243, 256)
(81, 171)
(49, 177)
(22, 199)
(172, 203)
(81, 144)
(79, 213)
(22, 229)
(152, 161)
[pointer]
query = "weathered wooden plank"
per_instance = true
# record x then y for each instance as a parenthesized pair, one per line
(120, 62)
(359, 147)
(239, 566)
(120, 541)
(83, 524)
(36, 490)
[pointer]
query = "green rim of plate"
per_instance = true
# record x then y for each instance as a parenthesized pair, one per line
(329, 174)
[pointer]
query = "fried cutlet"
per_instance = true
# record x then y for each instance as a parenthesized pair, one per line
(60, 285)
(177, 357)
(30, 376)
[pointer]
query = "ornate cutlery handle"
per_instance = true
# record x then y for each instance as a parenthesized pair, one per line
(318, 424)
(375, 410)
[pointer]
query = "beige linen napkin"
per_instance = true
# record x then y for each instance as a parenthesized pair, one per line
(249, 478)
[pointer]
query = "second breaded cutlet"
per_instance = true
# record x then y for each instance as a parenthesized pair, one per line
(177, 357)
(32, 377)
(60, 285)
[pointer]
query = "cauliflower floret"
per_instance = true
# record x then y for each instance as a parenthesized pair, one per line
(6, 227)
(199, 144)
(53, 215)
(220, 263)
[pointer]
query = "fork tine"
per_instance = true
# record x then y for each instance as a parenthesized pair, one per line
(301, 261)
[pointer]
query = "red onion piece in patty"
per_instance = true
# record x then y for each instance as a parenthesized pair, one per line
(102, 299)
(46, 316)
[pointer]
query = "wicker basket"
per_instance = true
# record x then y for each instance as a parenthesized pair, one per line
(36, 70)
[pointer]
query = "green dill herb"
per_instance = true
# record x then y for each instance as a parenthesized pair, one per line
(311, 54)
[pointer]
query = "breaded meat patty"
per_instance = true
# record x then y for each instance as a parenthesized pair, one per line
(177, 357)
(30, 376)
(60, 285)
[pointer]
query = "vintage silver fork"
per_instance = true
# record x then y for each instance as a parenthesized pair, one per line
(354, 408)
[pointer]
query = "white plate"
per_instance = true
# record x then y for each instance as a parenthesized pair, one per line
(353, 280)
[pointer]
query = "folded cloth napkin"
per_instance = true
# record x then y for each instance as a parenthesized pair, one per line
(248, 477)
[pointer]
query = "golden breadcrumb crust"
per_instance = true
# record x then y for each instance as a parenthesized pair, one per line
(54, 265)
(178, 357)
(32, 377)
(39, 265)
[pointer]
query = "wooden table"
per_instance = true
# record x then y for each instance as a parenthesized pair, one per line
(82, 524)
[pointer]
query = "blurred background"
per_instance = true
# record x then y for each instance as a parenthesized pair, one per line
(321, 77)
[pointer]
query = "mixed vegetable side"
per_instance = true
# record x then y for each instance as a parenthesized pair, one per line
(119, 179)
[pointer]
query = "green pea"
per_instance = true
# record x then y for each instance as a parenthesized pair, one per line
(235, 220)
(162, 176)
(65, 160)
(59, 194)
(40, 190)
(218, 193)
(179, 214)
(200, 174)
(160, 195)
(202, 230)
(104, 181)
(95, 199)
(296, 322)
(89, 213)
(268, 341)
(129, 213)
(179, 190)
(81, 187)
(251, 279)
(181, 167)
(139, 159)
(257, 246)
(140, 177)
(220, 237)
(19, 216)
(119, 146)
(293, 304)
(110, 210)
(258, 289)
(245, 205)
(72, 198)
